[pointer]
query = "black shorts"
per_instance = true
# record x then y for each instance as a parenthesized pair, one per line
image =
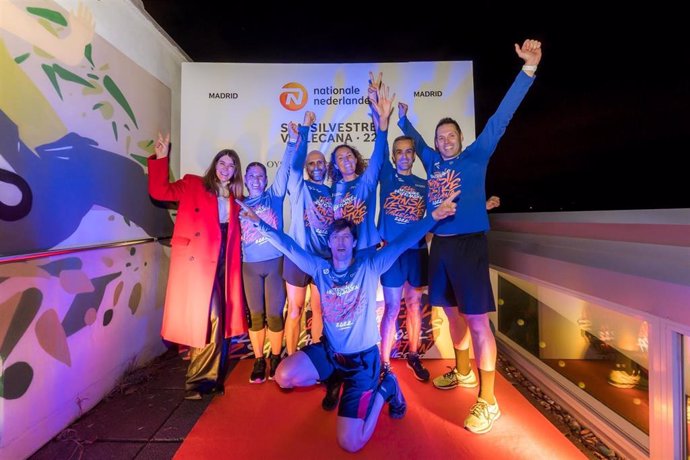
(412, 266)
(293, 275)
(459, 273)
(359, 372)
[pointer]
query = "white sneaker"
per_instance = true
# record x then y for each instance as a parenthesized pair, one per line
(453, 379)
(482, 417)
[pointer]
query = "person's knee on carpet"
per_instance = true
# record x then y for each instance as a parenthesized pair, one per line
(282, 376)
(350, 441)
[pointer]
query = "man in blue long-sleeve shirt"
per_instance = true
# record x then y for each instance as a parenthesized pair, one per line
(347, 283)
(312, 213)
(458, 260)
(402, 202)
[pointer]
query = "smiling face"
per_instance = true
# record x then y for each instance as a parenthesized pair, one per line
(316, 166)
(403, 156)
(255, 180)
(448, 140)
(346, 161)
(225, 168)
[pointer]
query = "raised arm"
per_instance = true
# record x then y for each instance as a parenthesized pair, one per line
(530, 53)
(280, 182)
(372, 94)
(424, 152)
(308, 263)
(162, 146)
(383, 107)
(296, 175)
(387, 167)
(160, 187)
(375, 83)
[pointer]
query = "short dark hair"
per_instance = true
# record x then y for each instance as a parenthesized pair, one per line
(404, 138)
(400, 139)
(256, 163)
(341, 224)
(446, 121)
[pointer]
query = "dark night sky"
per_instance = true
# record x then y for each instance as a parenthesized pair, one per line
(603, 127)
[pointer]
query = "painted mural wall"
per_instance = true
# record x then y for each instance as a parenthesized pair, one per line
(77, 119)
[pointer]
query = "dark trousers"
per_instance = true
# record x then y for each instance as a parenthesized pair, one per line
(206, 365)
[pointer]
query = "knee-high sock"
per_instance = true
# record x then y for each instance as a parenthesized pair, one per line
(486, 386)
(462, 361)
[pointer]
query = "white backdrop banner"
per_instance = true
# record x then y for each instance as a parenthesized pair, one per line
(246, 107)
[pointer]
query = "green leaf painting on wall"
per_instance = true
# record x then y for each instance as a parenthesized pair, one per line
(22, 58)
(54, 22)
(51, 15)
(57, 70)
(88, 50)
(119, 97)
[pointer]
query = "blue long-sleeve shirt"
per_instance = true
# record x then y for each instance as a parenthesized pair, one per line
(311, 204)
(348, 297)
(402, 201)
(467, 171)
(356, 200)
(268, 206)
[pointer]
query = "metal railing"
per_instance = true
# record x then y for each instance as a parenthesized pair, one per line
(58, 252)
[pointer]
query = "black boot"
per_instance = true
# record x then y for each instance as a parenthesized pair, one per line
(333, 385)
(274, 361)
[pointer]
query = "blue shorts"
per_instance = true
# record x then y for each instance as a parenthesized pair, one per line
(412, 266)
(459, 273)
(359, 372)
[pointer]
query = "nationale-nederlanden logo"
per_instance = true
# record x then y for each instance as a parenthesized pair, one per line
(293, 96)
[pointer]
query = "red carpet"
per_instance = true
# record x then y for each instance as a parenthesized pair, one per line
(261, 421)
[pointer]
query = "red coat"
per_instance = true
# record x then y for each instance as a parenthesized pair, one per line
(194, 257)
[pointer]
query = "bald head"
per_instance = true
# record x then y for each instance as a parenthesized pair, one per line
(316, 166)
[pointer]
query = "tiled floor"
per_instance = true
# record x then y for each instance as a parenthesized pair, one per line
(145, 417)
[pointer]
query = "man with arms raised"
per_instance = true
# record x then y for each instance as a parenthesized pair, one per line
(349, 348)
(458, 260)
(312, 214)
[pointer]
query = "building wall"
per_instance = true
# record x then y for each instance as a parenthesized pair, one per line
(612, 296)
(83, 92)
(639, 260)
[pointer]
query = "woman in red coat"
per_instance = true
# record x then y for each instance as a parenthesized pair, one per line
(204, 301)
